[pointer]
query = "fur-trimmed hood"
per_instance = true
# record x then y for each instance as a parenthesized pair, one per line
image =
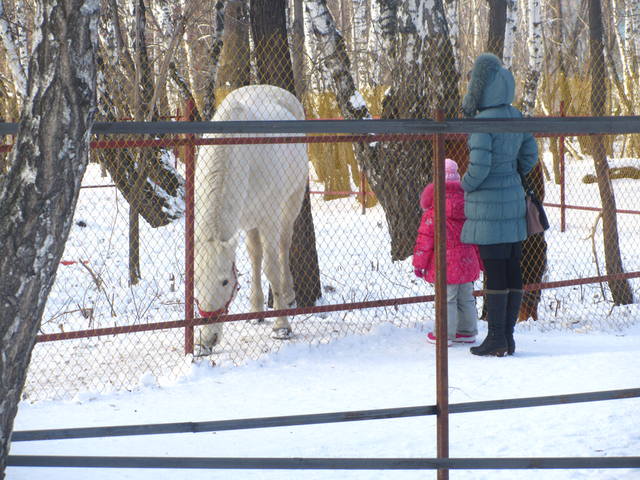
(491, 85)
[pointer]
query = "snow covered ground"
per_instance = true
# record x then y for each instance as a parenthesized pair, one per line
(390, 367)
(352, 360)
(353, 251)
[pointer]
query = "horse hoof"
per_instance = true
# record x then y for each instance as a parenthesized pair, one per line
(209, 336)
(202, 351)
(281, 333)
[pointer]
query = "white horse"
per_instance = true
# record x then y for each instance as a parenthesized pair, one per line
(255, 188)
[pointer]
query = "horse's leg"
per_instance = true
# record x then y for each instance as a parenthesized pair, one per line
(287, 292)
(281, 327)
(254, 247)
(286, 237)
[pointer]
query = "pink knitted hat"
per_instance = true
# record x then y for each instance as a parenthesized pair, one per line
(451, 171)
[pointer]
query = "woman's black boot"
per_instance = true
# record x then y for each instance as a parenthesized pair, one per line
(496, 342)
(513, 309)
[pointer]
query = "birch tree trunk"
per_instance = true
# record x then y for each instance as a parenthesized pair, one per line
(215, 53)
(534, 46)
(374, 46)
(189, 46)
(359, 42)
(475, 26)
(620, 289)
(388, 26)
(619, 32)
(39, 193)
(618, 79)
(179, 70)
(329, 47)
(12, 89)
(318, 77)
(617, 67)
(557, 72)
(451, 14)
(633, 17)
(510, 30)
(627, 47)
(425, 80)
(12, 49)
(297, 49)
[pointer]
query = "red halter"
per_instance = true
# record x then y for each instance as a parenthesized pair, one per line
(225, 309)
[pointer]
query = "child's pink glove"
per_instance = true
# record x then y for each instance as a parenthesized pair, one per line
(419, 272)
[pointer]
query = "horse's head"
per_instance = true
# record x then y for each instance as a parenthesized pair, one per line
(216, 278)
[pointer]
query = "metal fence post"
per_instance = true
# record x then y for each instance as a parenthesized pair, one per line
(189, 162)
(562, 176)
(442, 381)
(363, 192)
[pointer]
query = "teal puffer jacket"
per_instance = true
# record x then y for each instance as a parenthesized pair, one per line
(494, 197)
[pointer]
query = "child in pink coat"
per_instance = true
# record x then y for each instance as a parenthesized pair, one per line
(463, 260)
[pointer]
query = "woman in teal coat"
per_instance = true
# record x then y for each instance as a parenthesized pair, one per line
(495, 200)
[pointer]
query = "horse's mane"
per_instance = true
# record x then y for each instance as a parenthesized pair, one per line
(215, 180)
(216, 177)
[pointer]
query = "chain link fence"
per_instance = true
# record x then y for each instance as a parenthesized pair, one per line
(125, 265)
(94, 288)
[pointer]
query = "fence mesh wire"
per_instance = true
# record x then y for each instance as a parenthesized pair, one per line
(94, 287)
(124, 263)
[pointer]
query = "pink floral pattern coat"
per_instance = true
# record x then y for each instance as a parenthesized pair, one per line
(463, 260)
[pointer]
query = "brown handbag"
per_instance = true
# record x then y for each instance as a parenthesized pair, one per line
(537, 221)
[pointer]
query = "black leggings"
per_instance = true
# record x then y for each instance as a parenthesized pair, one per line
(502, 273)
